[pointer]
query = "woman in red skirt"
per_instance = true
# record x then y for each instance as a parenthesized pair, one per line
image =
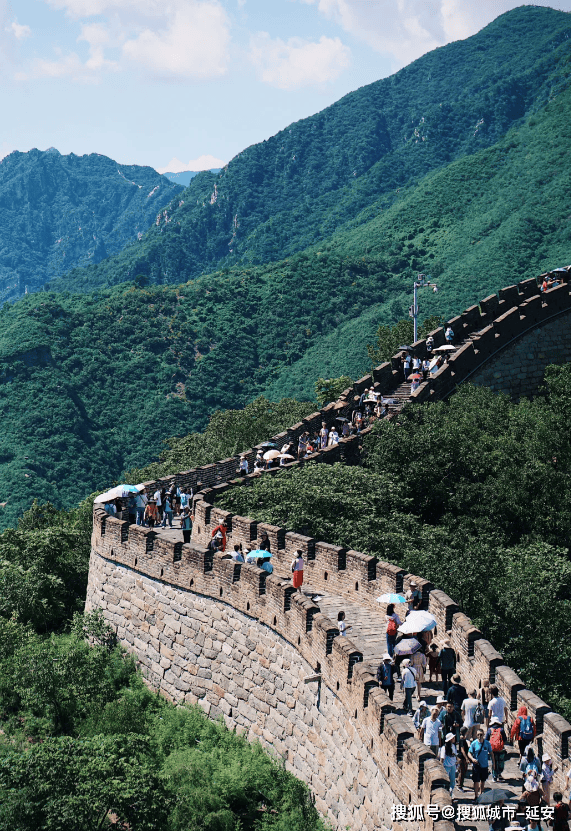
(297, 570)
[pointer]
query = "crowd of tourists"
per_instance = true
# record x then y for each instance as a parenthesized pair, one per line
(467, 728)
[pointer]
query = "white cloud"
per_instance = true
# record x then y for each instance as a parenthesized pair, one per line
(202, 163)
(20, 31)
(193, 43)
(407, 29)
(297, 62)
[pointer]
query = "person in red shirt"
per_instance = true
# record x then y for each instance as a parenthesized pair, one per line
(222, 528)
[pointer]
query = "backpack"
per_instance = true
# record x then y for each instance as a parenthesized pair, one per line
(496, 740)
(526, 733)
(392, 627)
(479, 717)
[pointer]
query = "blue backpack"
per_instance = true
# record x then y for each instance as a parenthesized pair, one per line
(525, 730)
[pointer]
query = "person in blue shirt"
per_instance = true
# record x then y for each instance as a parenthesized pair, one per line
(266, 565)
(479, 752)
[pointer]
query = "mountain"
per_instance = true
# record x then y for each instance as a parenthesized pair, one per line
(94, 383)
(183, 178)
(313, 179)
(57, 212)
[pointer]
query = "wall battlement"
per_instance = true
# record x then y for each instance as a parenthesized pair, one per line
(184, 612)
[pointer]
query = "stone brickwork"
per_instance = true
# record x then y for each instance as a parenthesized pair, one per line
(240, 641)
(203, 651)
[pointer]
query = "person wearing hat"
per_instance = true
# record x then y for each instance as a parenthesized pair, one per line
(422, 713)
(456, 693)
(447, 657)
(497, 737)
(386, 675)
(243, 466)
(151, 515)
(547, 774)
(448, 755)
(413, 596)
(297, 570)
(532, 793)
(220, 532)
(431, 731)
(408, 682)
(186, 524)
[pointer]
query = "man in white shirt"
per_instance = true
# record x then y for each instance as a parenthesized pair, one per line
(431, 731)
(468, 710)
(497, 706)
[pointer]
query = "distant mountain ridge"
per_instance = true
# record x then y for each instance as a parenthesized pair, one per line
(313, 179)
(58, 212)
(183, 178)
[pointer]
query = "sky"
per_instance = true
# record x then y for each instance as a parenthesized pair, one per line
(188, 84)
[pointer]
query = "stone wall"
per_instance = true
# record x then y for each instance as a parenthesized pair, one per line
(196, 649)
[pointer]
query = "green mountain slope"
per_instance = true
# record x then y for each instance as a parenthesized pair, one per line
(57, 212)
(307, 182)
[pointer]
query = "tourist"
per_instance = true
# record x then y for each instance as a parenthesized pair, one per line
(529, 762)
(159, 503)
(151, 516)
(447, 657)
(297, 569)
(532, 793)
(451, 720)
(184, 499)
(333, 437)
(429, 343)
(186, 524)
(463, 759)
(456, 693)
(393, 622)
(141, 504)
(422, 713)
(266, 564)
(418, 662)
(433, 662)
(448, 755)
(237, 554)
(243, 466)
(323, 434)
(167, 512)
(498, 739)
(561, 813)
(221, 529)
(478, 753)
(408, 683)
(386, 676)
(497, 706)
(523, 730)
(264, 542)
(413, 597)
(132, 509)
(485, 696)
(547, 774)
(431, 731)
(449, 334)
(468, 709)
(407, 366)
(110, 508)
(343, 628)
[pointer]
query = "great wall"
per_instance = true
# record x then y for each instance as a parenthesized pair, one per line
(249, 648)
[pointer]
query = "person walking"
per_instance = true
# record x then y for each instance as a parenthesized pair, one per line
(523, 730)
(448, 756)
(393, 622)
(386, 676)
(297, 569)
(547, 774)
(408, 682)
(418, 661)
(151, 516)
(497, 706)
(167, 512)
(186, 524)
(479, 753)
(431, 731)
(422, 713)
(463, 760)
(447, 657)
(468, 710)
(343, 628)
(141, 504)
(498, 739)
(456, 693)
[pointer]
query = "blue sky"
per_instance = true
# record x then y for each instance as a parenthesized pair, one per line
(187, 84)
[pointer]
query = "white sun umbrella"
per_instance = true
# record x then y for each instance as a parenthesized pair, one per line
(418, 622)
(114, 493)
(286, 456)
(446, 348)
(271, 454)
(433, 363)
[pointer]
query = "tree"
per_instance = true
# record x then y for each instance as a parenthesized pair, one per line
(389, 338)
(329, 389)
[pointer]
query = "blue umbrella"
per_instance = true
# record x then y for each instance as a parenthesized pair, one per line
(391, 598)
(253, 555)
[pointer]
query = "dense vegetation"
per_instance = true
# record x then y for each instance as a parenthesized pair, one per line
(82, 741)
(58, 212)
(308, 182)
(474, 495)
